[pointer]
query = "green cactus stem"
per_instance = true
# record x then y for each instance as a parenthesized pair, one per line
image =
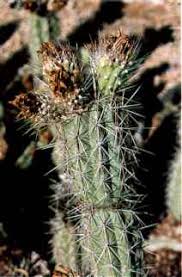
(91, 107)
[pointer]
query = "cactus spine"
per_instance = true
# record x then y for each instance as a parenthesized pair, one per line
(92, 111)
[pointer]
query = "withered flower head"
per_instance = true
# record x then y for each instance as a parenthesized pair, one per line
(67, 87)
(65, 77)
(36, 107)
(113, 63)
(27, 104)
(61, 69)
(117, 48)
(62, 92)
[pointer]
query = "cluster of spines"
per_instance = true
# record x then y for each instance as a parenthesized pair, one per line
(97, 148)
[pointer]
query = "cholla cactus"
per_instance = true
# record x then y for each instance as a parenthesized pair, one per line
(88, 102)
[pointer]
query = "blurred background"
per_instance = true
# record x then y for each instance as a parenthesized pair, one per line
(25, 186)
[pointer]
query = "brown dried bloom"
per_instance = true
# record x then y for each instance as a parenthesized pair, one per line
(118, 48)
(64, 76)
(67, 87)
(27, 104)
(37, 106)
(61, 93)
(119, 45)
(61, 69)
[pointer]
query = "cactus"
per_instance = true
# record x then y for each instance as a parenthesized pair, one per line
(42, 29)
(39, 33)
(65, 249)
(174, 189)
(44, 24)
(87, 99)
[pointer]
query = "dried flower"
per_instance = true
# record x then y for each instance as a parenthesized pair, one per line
(61, 92)
(117, 48)
(61, 69)
(27, 104)
(68, 81)
(65, 77)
